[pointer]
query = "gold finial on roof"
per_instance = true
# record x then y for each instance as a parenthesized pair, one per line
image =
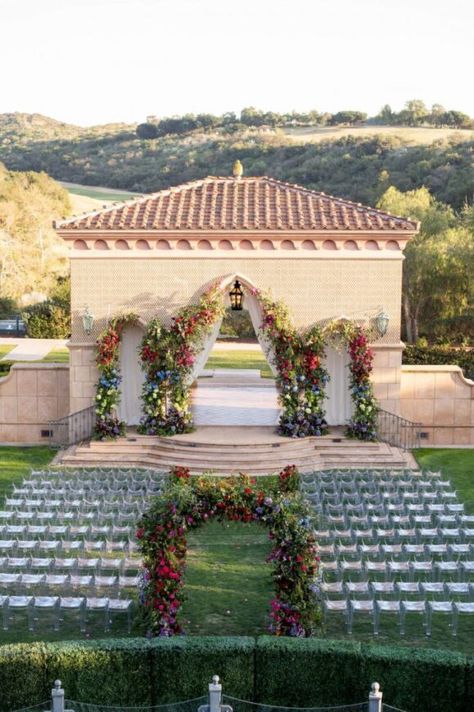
(237, 169)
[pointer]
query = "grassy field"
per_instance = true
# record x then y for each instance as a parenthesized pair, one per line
(57, 356)
(239, 359)
(98, 192)
(5, 349)
(228, 584)
(417, 136)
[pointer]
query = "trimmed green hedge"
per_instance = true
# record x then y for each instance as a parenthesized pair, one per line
(278, 671)
(440, 355)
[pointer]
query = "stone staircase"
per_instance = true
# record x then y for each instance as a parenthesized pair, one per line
(237, 450)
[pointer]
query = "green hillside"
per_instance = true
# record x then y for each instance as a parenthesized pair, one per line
(358, 163)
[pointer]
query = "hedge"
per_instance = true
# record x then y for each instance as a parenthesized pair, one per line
(277, 671)
(440, 356)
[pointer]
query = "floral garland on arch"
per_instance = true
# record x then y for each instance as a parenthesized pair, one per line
(301, 378)
(168, 355)
(363, 424)
(187, 503)
(107, 424)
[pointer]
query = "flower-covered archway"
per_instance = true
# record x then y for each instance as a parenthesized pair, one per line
(173, 356)
(187, 504)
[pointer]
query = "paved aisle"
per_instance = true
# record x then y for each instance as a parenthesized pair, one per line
(237, 397)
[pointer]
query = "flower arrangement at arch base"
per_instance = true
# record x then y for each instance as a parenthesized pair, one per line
(168, 355)
(187, 504)
(107, 424)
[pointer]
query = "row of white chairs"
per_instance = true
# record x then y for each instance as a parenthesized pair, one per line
(400, 608)
(121, 564)
(65, 581)
(390, 570)
(57, 606)
(67, 545)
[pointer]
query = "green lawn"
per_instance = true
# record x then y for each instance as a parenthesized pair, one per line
(457, 465)
(57, 356)
(240, 359)
(4, 350)
(16, 463)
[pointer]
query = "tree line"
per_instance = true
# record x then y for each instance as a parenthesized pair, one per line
(415, 113)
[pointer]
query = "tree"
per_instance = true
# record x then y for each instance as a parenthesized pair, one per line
(416, 110)
(147, 131)
(385, 115)
(439, 261)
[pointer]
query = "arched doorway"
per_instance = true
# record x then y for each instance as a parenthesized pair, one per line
(236, 396)
(338, 401)
(130, 407)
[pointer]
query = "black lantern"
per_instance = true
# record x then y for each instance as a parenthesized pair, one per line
(236, 296)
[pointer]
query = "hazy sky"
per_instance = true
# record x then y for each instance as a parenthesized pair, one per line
(95, 61)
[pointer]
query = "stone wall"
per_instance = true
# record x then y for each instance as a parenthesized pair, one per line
(30, 396)
(442, 400)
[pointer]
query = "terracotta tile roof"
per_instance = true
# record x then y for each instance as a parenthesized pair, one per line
(237, 204)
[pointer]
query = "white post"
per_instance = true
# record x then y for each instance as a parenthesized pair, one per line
(57, 696)
(375, 698)
(215, 694)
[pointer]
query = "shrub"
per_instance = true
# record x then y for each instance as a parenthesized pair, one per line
(183, 667)
(440, 355)
(105, 672)
(47, 321)
(5, 367)
(8, 308)
(22, 676)
(421, 680)
(307, 672)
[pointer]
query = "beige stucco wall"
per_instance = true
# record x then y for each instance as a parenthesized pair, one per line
(442, 400)
(313, 288)
(30, 396)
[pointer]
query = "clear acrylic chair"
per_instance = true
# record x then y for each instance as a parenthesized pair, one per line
(460, 608)
(77, 604)
(445, 607)
(366, 606)
(18, 603)
(46, 603)
(94, 604)
(385, 606)
(119, 606)
(409, 606)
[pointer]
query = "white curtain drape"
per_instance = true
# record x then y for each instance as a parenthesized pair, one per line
(203, 355)
(130, 407)
(338, 403)
(256, 314)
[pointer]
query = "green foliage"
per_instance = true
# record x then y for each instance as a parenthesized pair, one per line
(237, 323)
(31, 254)
(47, 320)
(147, 131)
(8, 307)
(440, 355)
(439, 264)
(349, 167)
(183, 667)
(22, 676)
(286, 672)
(103, 672)
(308, 672)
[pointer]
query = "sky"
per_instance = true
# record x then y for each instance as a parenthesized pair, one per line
(89, 62)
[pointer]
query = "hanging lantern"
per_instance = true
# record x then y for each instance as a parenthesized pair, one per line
(87, 321)
(381, 322)
(236, 295)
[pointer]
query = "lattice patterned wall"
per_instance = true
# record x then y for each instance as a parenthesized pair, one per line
(313, 289)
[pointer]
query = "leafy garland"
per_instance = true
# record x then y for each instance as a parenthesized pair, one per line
(301, 378)
(188, 503)
(363, 424)
(107, 425)
(168, 355)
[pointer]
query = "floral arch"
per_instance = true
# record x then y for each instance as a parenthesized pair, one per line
(187, 504)
(173, 356)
